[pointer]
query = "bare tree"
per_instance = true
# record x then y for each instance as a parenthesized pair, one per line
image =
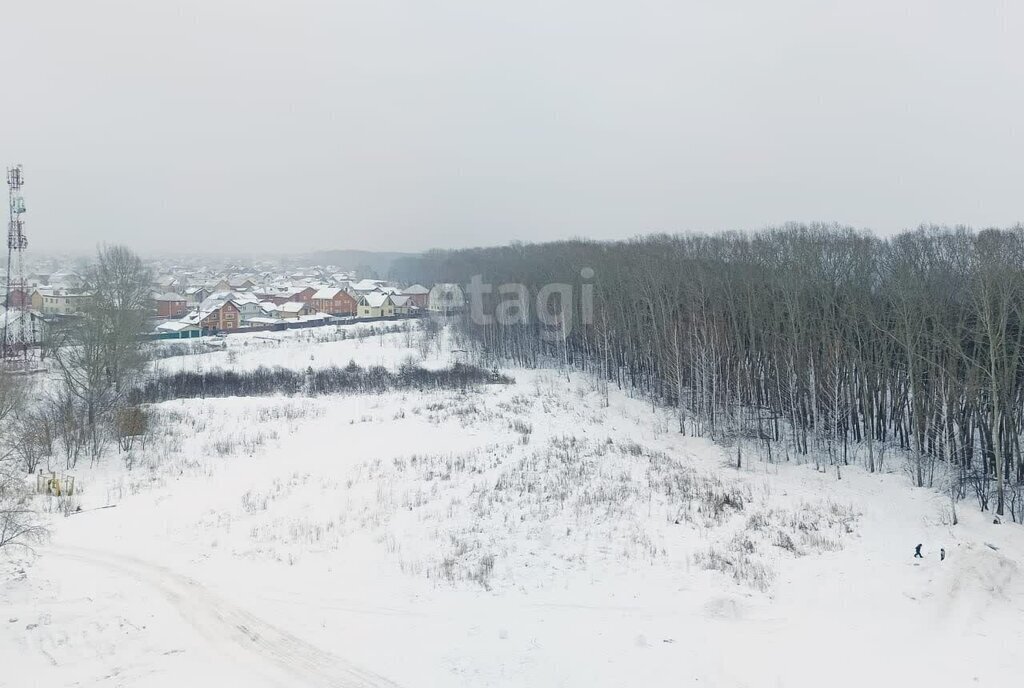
(19, 523)
(99, 354)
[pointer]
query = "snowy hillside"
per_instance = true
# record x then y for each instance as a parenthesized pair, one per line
(509, 535)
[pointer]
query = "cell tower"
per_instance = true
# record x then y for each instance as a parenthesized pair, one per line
(16, 335)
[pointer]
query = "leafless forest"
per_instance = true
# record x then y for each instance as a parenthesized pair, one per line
(803, 343)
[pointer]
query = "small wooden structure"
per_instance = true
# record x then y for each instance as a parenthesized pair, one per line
(62, 485)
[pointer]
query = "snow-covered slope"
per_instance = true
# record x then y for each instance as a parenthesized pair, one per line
(520, 535)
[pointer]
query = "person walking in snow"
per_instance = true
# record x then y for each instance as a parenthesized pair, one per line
(942, 554)
(917, 553)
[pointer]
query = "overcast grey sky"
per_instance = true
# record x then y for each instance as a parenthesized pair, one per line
(407, 124)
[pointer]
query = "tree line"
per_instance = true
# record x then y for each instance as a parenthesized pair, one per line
(812, 343)
(351, 379)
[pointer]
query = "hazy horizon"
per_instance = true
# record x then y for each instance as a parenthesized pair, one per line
(227, 127)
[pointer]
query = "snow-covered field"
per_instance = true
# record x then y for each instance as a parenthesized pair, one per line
(367, 345)
(519, 535)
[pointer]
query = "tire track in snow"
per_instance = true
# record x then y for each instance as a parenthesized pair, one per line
(235, 631)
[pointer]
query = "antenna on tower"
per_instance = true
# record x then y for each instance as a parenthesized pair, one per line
(16, 343)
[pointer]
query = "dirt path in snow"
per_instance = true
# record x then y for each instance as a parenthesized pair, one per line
(288, 660)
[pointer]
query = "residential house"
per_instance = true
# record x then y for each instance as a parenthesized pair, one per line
(215, 299)
(182, 328)
(170, 305)
(376, 305)
(365, 286)
(334, 300)
(302, 294)
(51, 301)
(196, 295)
(269, 293)
(225, 316)
(76, 302)
(248, 307)
(446, 298)
(241, 283)
(292, 310)
(402, 303)
(169, 283)
(262, 321)
(417, 294)
(66, 280)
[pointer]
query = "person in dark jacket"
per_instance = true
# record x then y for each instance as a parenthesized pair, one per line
(917, 553)
(942, 554)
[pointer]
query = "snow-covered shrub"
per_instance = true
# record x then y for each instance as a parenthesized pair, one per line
(806, 529)
(517, 405)
(704, 498)
(739, 564)
(523, 428)
(68, 504)
(632, 448)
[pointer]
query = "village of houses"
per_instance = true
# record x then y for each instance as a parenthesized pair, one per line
(205, 303)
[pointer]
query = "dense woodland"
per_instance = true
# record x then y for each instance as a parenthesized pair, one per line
(804, 343)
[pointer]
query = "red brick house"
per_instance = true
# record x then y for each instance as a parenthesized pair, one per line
(170, 305)
(297, 294)
(334, 300)
(302, 295)
(225, 317)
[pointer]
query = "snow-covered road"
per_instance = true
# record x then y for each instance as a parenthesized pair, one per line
(277, 657)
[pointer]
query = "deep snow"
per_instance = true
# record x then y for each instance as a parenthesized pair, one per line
(522, 535)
